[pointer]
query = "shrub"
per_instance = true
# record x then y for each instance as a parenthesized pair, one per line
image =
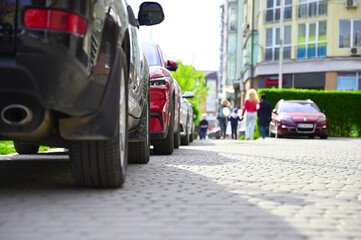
(342, 108)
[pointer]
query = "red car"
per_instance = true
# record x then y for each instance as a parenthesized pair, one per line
(298, 117)
(164, 101)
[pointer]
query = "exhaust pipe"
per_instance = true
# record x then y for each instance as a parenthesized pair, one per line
(16, 115)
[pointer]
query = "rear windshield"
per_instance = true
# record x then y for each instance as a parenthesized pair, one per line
(151, 53)
(295, 107)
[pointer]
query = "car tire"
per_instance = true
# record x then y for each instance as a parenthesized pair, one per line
(277, 135)
(177, 137)
(166, 147)
(323, 136)
(185, 139)
(22, 148)
(139, 152)
(191, 137)
(270, 134)
(103, 163)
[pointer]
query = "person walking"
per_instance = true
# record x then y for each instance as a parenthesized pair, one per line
(222, 114)
(203, 127)
(234, 118)
(251, 106)
(264, 115)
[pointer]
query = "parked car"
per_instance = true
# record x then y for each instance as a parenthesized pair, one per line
(298, 117)
(186, 119)
(164, 101)
(73, 76)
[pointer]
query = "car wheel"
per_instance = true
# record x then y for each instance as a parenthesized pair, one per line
(191, 137)
(185, 139)
(139, 152)
(177, 137)
(103, 163)
(270, 134)
(166, 147)
(22, 148)
(323, 136)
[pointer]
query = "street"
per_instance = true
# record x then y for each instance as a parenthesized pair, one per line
(212, 189)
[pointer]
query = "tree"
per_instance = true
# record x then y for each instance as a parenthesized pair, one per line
(190, 79)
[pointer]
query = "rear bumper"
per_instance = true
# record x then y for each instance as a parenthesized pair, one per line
(57, 88)
(157, 137)
(59, 83)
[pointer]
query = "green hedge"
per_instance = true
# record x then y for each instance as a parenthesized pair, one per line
(342, 108)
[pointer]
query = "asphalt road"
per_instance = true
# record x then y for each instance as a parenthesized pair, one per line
(213, 189)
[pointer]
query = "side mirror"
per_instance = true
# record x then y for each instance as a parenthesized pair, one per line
(172, 65)
(150, 13)
(188, 94)
(274, 111)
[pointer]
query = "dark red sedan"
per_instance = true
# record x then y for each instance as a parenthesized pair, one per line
(164, 101)
(299, 118)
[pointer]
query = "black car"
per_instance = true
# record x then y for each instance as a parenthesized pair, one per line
(72, 75)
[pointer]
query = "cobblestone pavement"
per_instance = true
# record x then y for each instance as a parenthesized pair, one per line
(213, 189)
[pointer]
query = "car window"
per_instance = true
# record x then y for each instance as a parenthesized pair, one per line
(293, 107)
(151, 53)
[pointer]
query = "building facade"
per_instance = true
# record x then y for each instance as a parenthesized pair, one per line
(321, 45)
(231, 50)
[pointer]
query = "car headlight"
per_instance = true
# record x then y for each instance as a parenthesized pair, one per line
(285, 119)
(321, 120)
(162, 81)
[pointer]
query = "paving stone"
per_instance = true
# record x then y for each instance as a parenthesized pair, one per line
(214, 189)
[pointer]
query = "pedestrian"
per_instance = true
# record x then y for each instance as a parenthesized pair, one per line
(250, 106)
(234, 118)
(203, 127)
(222, 114)
(264, 115)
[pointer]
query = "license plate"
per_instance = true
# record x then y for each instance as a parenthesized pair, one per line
(305, 125)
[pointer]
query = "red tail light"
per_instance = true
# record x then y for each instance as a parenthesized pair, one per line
(54, 20)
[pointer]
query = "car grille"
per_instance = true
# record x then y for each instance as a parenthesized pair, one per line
(305, 127)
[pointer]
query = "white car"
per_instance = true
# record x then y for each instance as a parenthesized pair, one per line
(186, 119)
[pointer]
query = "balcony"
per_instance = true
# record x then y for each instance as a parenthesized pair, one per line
(312, 50)
(301, 51)
(273, 54)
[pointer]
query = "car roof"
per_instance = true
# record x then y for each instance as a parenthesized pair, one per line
(298, 101)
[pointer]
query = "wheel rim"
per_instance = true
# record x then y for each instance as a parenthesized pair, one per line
(122, 118)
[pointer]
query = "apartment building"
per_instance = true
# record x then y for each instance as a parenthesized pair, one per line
(231, 50)
(321, 44)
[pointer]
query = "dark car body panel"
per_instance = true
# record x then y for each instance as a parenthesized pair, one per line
(69, 80)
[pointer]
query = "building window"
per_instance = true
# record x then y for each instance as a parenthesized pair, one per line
(273, 43)
(233, 18)
(312, 40)
(232, 50)
(348, 81)
(231, 73)
(274, 9)
(349, 33)
(311, 8)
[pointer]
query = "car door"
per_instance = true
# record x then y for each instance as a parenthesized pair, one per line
(138, 76)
